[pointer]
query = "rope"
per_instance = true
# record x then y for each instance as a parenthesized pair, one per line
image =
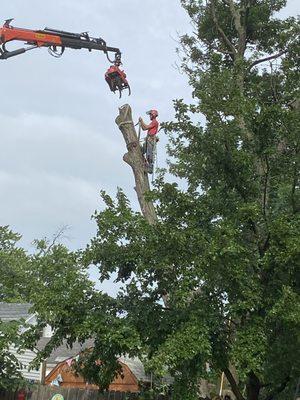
(154, 160)
(125, 123)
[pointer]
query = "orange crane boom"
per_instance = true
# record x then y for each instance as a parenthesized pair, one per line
(57, 41)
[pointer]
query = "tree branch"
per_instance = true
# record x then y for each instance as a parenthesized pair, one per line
(261, 60)
(222, 33)
(238, 26)
(233, 384)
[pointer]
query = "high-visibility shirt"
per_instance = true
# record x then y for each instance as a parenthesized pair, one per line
(153, 127)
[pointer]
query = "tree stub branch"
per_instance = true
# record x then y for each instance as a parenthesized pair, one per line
(269, 58)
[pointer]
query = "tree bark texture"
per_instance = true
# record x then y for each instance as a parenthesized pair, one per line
(135, 159)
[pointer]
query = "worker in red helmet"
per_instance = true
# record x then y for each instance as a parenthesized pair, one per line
(151, 138)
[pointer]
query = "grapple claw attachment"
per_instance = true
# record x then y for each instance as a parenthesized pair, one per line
(116, 80)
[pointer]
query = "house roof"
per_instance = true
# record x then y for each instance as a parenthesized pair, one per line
(64, 351)
(136, 367)
(14, 311)
(126, 382)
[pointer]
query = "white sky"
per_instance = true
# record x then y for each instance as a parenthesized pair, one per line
(59, 142)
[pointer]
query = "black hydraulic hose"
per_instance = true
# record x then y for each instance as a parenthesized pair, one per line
(8, 54)
(4, 54)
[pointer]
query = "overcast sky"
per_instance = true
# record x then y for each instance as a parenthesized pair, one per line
(59, 142)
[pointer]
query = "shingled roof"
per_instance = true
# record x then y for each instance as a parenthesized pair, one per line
(64, 351)
(14, 311)
(136, 367)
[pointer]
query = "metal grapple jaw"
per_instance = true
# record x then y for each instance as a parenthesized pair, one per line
(116, 80)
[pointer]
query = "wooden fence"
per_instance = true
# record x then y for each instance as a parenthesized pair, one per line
(47, 392)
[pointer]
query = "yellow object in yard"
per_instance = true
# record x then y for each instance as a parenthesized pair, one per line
(57, 397)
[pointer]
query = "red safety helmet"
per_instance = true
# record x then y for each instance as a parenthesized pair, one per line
(153, 113)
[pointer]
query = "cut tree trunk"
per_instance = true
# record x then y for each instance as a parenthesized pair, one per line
(135, 159)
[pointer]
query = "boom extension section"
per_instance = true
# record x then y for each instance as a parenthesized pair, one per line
(57, 41)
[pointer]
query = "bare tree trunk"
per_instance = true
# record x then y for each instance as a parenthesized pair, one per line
(135, 159)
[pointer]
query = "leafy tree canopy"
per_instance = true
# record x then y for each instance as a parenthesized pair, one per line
(56, 284)
(216, 280)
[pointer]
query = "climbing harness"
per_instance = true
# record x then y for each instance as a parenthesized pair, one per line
(155, 161)
(150, 152)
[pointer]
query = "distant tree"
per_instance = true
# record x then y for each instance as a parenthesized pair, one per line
(64, 297)
(12, 266)
(12, 262)
(10, 376)
(57, 286)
